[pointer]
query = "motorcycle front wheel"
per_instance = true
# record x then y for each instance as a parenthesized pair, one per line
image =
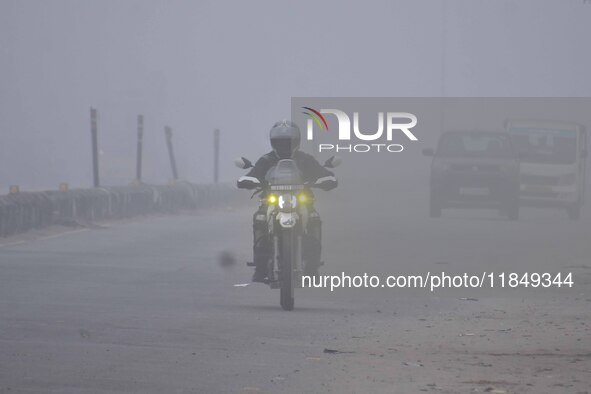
(287, 259)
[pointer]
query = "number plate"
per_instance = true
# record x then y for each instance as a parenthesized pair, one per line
(474, 191)
(537, 188)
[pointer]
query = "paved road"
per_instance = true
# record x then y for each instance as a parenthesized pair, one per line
(144, 307)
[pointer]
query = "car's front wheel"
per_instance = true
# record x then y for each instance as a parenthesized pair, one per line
(434, 207)
(512, 205)
(514, 212)
(574, 211)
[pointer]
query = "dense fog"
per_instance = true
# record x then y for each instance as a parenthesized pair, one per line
(196, 66)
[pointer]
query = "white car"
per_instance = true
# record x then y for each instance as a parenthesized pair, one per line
(552, 158)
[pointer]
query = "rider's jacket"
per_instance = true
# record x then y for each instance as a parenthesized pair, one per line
(312, 171)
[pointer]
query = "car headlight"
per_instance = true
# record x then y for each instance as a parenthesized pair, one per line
(508, 167)
(567, 179)
(439, 166)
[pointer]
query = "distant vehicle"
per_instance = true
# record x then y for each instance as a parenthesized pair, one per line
(474, 169)
(553, 163)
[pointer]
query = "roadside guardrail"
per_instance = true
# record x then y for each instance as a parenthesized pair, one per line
(23, 211)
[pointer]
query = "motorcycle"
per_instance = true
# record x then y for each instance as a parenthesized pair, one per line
(289, 203)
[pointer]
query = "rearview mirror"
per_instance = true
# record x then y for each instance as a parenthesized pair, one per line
(332, 162)
(428, 152)
(243, 162)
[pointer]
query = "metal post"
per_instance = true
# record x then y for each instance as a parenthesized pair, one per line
(140, 137)
(216, 155)
(95, 162)
(168, 132)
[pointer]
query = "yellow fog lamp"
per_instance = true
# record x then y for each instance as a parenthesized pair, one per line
(272, 199)
(302, 198)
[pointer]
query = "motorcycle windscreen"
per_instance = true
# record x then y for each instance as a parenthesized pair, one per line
(286, 172)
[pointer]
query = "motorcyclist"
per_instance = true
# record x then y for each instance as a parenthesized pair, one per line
(285, 139)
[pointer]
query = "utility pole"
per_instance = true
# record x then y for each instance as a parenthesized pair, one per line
(443, 37)
(168, 133)
(95, 162)
(216, 155)
(443, 65)
(140, 137)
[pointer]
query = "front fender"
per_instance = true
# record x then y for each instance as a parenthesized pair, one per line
(287, 219)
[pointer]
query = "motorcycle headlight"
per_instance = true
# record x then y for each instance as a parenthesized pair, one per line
(287, 201)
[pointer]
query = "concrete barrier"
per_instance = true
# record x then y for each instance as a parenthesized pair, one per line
(20, 212)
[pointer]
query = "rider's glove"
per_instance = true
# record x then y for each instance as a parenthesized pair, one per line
(248, 182)
(326, 183)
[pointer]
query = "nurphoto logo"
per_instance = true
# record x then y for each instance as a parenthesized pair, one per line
(396, 124)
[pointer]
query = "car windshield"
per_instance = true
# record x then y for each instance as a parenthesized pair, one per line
(537, 145)
(286, 172)
(475, 145)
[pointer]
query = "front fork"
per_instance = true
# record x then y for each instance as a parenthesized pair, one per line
(297, 267)
(275, 231)
(296, 262)
(274, 263)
